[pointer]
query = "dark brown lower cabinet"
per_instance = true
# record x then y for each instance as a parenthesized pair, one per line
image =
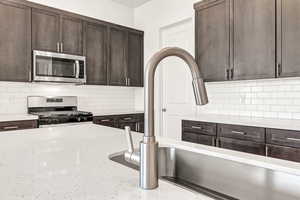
(199, 138)
(281, 152)
(242, 145)
(275, 143)
(134, 121)
(105, 121)
(18, 125)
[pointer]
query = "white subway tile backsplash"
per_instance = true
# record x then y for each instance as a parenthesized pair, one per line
(272, 98)
(13, 96)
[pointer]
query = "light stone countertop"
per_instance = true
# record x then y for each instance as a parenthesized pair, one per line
(288, 124)
(17, 117)
(71, 163)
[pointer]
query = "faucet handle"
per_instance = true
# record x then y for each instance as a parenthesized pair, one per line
(129, 139)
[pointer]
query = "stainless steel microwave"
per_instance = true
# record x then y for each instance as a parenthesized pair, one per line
(58, 67)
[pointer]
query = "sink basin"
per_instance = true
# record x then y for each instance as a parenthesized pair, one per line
(219, 178)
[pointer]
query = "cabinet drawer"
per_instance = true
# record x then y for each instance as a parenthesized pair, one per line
(199, 127)
(105, 121)
(127, 118)
(199, 138)
(249, 133)
(286, 153)
(242, 145)
(283, 137)
(18, 125)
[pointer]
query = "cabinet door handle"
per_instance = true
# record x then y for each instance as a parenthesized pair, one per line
(239, 132)
(61, 47)
(227, 74)
(232, 73)
(57, 47)
(279, 69)
(294, 139)
(197, 127)
(213, 141)
(128, 81)
(10, 127)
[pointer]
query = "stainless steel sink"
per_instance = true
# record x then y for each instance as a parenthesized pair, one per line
(219, 178)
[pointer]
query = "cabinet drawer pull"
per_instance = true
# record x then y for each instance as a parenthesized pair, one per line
(294, 139)
(10, 127)
(197, 127)
(128, 118)
(105, 120)
(57, 47)
(239, 132)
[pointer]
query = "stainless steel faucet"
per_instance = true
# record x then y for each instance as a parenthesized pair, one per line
(147, 157)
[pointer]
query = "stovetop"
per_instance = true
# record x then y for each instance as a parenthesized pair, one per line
(57, 110)
(61, 113)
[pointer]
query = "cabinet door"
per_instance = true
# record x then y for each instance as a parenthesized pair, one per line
(71, 35)
(286, 153)
(45, 30)
(254, 39)
(242, 145)
(212, 39)
(117, 56)
(289, 37)
(96, 52)
(15, 42)
(135, 70)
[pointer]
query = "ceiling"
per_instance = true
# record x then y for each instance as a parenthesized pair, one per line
(131, 3)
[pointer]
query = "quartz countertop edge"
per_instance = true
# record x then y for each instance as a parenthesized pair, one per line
(273, 123)
(17, 117)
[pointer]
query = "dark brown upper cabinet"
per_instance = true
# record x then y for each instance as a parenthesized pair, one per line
(15, 42)
(213, 39)
(254, 39)
(125, 65)
(45, 30)
(71, 35)
(288, 43)
(135, 66)
(117, 56)
(236, 39)
(96, 53)
(52, 31)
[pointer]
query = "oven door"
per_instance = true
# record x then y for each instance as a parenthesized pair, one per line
(56, 67)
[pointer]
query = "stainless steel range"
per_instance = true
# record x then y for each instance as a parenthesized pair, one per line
(57, 110)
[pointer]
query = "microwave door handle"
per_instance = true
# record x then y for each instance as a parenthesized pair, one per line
(77, 68)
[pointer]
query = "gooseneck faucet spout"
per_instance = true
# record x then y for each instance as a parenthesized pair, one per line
(149, 147)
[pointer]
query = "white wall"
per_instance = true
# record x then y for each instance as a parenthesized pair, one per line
(151, 18)
(97, 99)
(106, 10)
(275, 98)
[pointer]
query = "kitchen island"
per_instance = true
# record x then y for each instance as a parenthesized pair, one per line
(71, 163)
